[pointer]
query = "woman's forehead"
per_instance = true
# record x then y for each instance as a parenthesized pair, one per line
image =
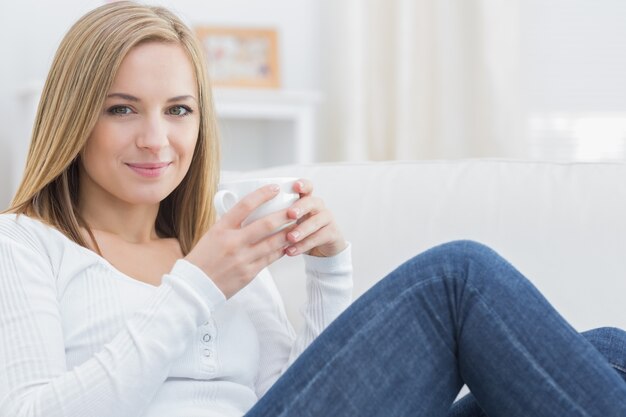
(156, 69)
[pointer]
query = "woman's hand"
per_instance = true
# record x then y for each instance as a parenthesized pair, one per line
(232, 255)
(316, 233)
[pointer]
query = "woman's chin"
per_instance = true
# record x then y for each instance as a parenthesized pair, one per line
(147, 199)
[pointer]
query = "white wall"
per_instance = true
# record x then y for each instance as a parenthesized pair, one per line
(29, 33)
(574, 66)
(575, 54)
(31, 30)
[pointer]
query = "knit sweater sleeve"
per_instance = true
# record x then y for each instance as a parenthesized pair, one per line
(329, 292)
(119, 380)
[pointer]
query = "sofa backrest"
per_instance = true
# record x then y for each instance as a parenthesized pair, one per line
(561, 224)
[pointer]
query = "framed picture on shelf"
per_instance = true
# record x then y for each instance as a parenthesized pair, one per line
(241, 57)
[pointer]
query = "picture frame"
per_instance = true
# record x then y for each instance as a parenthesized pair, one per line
(241, 57)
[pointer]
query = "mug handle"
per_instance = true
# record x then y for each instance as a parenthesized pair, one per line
(224, 200)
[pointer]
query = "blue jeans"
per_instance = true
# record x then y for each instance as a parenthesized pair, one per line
(609, 341)
(455, 314)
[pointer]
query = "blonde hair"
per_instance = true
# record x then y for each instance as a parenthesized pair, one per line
(80, 76)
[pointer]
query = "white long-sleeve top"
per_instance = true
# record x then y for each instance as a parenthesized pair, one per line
(80, 338)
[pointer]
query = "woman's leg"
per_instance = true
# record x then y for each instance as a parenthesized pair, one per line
(457, 313)
(466, 407)
(609, 341)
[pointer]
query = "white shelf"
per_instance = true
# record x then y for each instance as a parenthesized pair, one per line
(232, 103)
(261, 128)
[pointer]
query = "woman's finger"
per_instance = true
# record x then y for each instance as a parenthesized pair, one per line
(305, 206)
(267, 225)
(303, 187)
(315, 240)
(272, 243)
(244, 207)
(267, 257)
(309, 226)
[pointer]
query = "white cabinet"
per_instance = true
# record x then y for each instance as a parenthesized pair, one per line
(263, 128)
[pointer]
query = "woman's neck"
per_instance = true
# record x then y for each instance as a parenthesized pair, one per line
(133, 224)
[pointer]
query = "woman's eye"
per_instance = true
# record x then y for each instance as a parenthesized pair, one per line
(179, 111)
(119, 110)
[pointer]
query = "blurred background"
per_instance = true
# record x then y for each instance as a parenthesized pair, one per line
(302, 81)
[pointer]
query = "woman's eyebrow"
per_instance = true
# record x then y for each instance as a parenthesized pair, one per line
(181, 98)
(123, 96)
(135, 99)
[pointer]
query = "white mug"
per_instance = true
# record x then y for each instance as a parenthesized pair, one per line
(230, 192)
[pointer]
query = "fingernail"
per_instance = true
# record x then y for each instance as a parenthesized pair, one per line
(296, 212)
(275, 187)
(291, 250)
(295, 234)
(300, 185)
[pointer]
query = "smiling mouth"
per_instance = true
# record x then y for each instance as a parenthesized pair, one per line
(149, 170)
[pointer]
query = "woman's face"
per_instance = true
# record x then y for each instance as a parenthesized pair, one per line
(143, 141)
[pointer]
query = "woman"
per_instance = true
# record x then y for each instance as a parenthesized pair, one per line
(122, 167)
(122, 295)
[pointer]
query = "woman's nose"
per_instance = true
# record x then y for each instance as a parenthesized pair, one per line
(153, 134)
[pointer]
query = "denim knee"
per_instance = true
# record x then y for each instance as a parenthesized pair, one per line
(611, 343)
(461, 250)
(459, 254)
(453, 261)
(470, 264)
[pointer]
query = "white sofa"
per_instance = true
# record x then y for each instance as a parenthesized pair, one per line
(562, 224)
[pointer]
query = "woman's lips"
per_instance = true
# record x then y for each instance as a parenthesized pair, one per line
(149, 170)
